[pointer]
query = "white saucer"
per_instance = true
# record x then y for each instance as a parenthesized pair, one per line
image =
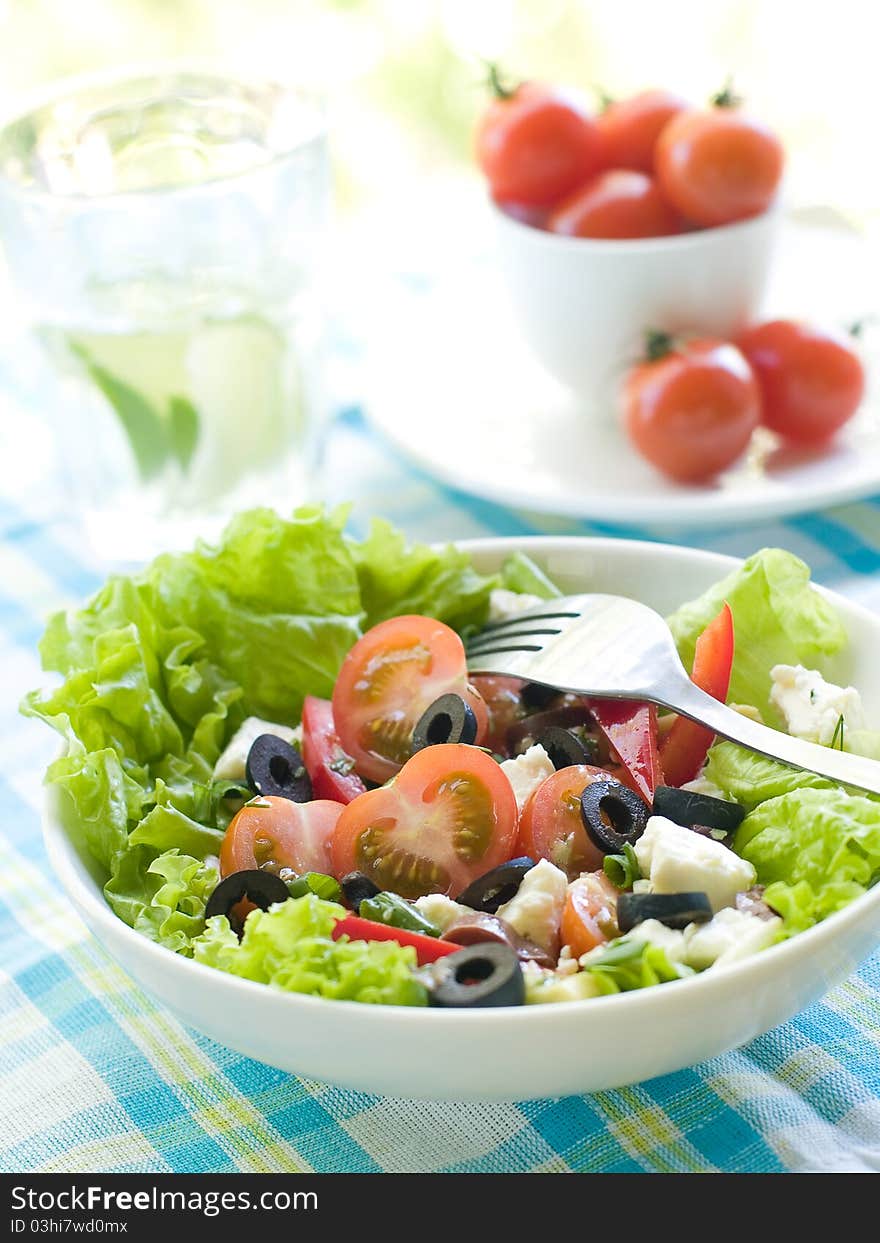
(451, 383)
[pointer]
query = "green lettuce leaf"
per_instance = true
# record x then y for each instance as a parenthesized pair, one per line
(779, 618)
(624, 965)
(162, 896)
(815, 850)
(750, 779)
(290, 947)
(519, 573)
(397, 578)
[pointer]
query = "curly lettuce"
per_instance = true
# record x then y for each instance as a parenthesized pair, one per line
(290, 947)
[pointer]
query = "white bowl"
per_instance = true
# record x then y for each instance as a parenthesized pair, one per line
(584, 304)
(530, 1051)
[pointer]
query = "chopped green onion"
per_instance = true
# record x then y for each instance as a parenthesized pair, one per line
(623, 870)
(837, 738)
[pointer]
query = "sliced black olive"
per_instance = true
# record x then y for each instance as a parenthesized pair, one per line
(675, 910)
(261, 888)
(536, 697)
(613, 815)
(275, 769)
(494, 888)
(487, 974)
(357, 888)
(524, 733)
(448, 719)
(564, 747)
(687, 808)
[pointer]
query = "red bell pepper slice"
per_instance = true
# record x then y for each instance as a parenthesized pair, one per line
(428, 949)
(631, 728)
(330, 768)
(684, 748)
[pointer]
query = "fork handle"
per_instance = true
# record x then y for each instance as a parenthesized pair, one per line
(840, 766)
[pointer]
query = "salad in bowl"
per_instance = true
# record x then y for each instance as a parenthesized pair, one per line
(277, 764)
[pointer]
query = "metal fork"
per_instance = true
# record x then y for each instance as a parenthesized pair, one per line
(609, 647)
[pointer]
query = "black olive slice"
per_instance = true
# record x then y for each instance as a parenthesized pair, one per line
(275, 769)
(487, 974)
(262, 888)
(357, 888)
(494, 888)
(675, 910)
(523, 733)
(686, 808)
(563, 747)
(448, 719)
(613, 815)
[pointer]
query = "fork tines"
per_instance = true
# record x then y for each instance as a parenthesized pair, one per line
(497, 636)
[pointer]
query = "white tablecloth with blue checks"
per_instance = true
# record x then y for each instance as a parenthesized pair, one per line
(93, 1077)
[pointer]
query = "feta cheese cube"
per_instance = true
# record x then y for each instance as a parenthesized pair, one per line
(680, 861)
(504, 604)
(231, 764)
(535, 910)
(527, 772)
(812, 708)
(441, 910)
(727, 937)
(670, 940)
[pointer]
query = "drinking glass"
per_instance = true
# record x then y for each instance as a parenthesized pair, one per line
(163, 232)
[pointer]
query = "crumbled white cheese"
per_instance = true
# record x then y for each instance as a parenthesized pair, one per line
(231, 764)
(441, 910)
(702, 785)
(527, 772)
(535, 910)
(670, 940)
(727, 937)
(504, 604)
(812, 707)
(642, 886)
(551, 986)
(678, 860)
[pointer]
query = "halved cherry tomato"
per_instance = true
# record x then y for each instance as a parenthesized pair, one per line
(331, 770)
(276, 834)
(631, 729)
(718, 166)
(551, 826)
(534, 144)
(629, 128)
(428, 949)
(386, 682)
(589, 917)
(503, 699)
(685, 746)
(691, 410)
(620, 203)
(812, 381)
(448, 817)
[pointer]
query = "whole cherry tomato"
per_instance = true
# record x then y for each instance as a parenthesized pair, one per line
(629, 128)
(691, 411)
(620, 203)
(718, 165)
(811, 381)
(534, 144)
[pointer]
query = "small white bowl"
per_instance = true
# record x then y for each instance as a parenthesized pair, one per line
(514, 1053)
(584, 304)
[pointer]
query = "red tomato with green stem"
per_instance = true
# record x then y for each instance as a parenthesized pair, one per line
(535, 144)
(684, 749)
(551, 826)
(448, 817)
(718, 165)
(617, 204)
(812, 381)
(629, 128)
(691, 408)
(386, 682)
(280, 836)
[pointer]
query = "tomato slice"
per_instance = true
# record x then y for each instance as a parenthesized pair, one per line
(386, 682)
(685, 746)
(589, 917)
(631, 729)
(280, 836)
(428, 949)
(331, 770)
(503, 698)
(551, 826)
(448, 817)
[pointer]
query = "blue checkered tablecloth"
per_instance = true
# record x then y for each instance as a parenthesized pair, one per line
(94, 1077)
